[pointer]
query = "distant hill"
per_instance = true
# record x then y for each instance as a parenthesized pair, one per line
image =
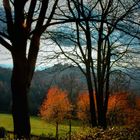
(67, 77)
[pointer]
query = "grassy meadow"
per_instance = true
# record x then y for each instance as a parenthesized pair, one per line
(40, 127)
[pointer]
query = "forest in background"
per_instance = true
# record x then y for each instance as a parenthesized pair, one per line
(66, 77)
(42, 81)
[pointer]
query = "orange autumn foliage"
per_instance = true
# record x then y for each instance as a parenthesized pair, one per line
(125, 108)
(56, 105)
(83, 109)
(134, 113)
(83, 106)
(118, 100)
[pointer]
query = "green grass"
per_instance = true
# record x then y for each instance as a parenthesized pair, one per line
(39, 127)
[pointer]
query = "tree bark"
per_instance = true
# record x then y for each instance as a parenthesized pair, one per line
(19, 25)
(91, 99)
(20, 87)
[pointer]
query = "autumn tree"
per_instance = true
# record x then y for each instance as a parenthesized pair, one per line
(23, 24)
(72, 84)
(56, 106)
(123, 108)
(116, 106)
(82, 107)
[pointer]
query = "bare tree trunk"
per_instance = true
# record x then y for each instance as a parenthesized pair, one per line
(20, 87)
(91, 99)
(23, 69)
(19, 24)
(107, 90)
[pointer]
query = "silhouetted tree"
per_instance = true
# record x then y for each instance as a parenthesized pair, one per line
(25, 21)
(97, 35)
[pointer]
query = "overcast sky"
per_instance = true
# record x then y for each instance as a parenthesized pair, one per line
(46, 57)
(5, 57)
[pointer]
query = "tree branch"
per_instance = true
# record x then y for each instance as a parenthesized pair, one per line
(5, 44)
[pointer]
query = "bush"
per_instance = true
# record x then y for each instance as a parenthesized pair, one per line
(116, 117)
(114, 133)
